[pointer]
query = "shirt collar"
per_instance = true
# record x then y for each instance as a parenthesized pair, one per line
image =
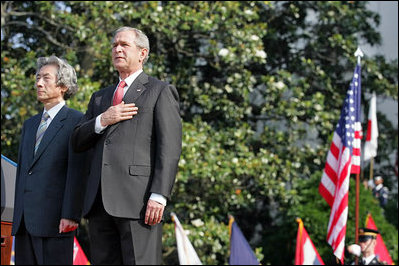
(55, 109)
(129, 80)
(379, 186)
(368, 259)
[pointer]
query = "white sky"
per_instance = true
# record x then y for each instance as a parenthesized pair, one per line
(388, 11)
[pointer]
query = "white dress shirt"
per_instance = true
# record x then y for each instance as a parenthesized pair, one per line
(53, 112)
(366, 261)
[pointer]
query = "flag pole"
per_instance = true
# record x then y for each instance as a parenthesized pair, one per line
(371, 168)
(359, 54)
(357, 214)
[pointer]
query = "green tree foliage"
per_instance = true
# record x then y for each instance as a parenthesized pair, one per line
(261, 85)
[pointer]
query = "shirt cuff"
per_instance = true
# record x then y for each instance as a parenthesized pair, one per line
(158, 198)
(98, 128)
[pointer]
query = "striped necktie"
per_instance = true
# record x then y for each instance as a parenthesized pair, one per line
(42, 128)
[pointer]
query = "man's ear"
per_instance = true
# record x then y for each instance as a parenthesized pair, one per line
(143, 53)
(63, 89)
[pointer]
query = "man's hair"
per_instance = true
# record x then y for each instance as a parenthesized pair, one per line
(66, 75)
(141, 39)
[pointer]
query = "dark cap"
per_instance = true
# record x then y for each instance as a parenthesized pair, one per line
(367, 233)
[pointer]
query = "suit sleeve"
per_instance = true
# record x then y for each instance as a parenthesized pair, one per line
(21, 139)
(75, 186)
(168, 131)
(84, 136)
(19, 163)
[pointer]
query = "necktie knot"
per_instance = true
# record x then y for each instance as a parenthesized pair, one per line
(122, 84)
(45, 116)
(119, 93)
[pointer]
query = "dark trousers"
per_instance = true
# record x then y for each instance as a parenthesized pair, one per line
(117, 241)
(33, 250)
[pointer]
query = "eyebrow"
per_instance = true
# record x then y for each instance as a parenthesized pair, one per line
(44, 75)
(120, 42)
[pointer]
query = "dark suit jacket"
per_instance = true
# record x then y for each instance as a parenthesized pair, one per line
(49, 185)
(136, 157)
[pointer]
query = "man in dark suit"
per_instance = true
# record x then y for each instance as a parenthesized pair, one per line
(135, 132)
(50, 175)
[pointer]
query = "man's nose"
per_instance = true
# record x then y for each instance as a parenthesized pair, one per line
(39, 83)
(118, 48)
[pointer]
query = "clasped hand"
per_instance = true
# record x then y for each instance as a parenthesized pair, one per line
(118, 113)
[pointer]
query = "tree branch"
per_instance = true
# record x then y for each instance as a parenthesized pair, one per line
(46, 33)
(51, 22)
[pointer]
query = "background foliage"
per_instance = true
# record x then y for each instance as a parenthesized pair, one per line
(261, 86)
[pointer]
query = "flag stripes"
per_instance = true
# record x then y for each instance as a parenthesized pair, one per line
(356, 159)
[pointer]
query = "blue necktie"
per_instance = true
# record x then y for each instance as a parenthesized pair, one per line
(40, 131)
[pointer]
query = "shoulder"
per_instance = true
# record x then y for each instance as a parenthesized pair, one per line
(73, 114)
(162, 85)
(154, 82)
(103, 91)
(32, 119)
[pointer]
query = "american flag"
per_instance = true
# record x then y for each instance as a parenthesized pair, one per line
(334, 186)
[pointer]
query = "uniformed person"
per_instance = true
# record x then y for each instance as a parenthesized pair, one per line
(380, 191)
(365, 249)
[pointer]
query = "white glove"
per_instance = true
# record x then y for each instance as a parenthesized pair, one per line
(355, 250)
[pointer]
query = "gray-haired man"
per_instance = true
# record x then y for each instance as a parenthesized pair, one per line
(50, 176)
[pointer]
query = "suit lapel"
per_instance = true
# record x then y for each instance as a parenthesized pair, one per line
(51, 132)
(134, 92)
(136, 89)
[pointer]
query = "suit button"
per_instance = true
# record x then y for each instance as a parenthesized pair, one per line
(30, 173)
(107, 141)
